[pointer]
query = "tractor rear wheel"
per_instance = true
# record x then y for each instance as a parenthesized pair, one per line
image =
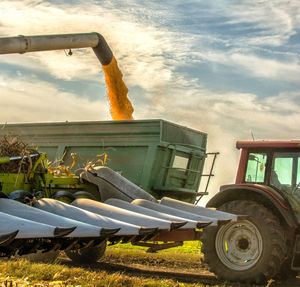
(250, 250)
(87, 255)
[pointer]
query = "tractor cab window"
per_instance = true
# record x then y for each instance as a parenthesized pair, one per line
(285, 176)
(285, 171)
(282, 174)
(298, 170)
(256, 167)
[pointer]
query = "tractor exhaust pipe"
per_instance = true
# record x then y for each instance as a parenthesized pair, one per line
(24, 44)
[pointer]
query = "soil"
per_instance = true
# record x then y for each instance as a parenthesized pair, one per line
(181, 271)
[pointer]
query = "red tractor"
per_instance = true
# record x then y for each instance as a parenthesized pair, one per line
(266, 242)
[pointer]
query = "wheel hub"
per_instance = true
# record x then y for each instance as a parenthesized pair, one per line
(243, 244)
(239, 245)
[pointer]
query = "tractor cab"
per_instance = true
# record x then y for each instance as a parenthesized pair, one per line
(272, 164)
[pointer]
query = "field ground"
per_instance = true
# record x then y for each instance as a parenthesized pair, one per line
(122, 265)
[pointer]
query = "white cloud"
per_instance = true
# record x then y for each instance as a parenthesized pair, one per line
(250, 64)
(27, 100)
(275, 21)
(233, 113)
(268, 68)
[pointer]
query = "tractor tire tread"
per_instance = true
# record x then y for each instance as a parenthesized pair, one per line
(266, 268)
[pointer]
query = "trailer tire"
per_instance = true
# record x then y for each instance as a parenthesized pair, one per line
(64, 196)
(87, 255)
(84, 194)
(257, 244)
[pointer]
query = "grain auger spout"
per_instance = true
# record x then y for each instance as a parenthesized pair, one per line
(121, 108)
(24, 44)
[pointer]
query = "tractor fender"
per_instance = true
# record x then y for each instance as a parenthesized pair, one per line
(265, 195)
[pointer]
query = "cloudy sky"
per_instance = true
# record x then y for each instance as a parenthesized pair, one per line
(228, 68)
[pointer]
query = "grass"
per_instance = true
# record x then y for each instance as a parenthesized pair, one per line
(24, 273)
(188, 253)
(189, 247)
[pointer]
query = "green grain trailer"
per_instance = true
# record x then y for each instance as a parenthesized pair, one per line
(161, 157)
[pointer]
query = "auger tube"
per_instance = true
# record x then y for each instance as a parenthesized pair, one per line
(24, 44)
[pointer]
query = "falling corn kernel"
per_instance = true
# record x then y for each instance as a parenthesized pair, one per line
(120, 105)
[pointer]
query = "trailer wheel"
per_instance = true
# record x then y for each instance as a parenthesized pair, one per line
(84, 194)
(87, 255)
(249, 250)
(64, 196)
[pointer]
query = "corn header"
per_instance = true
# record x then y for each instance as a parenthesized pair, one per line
(42, 212)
